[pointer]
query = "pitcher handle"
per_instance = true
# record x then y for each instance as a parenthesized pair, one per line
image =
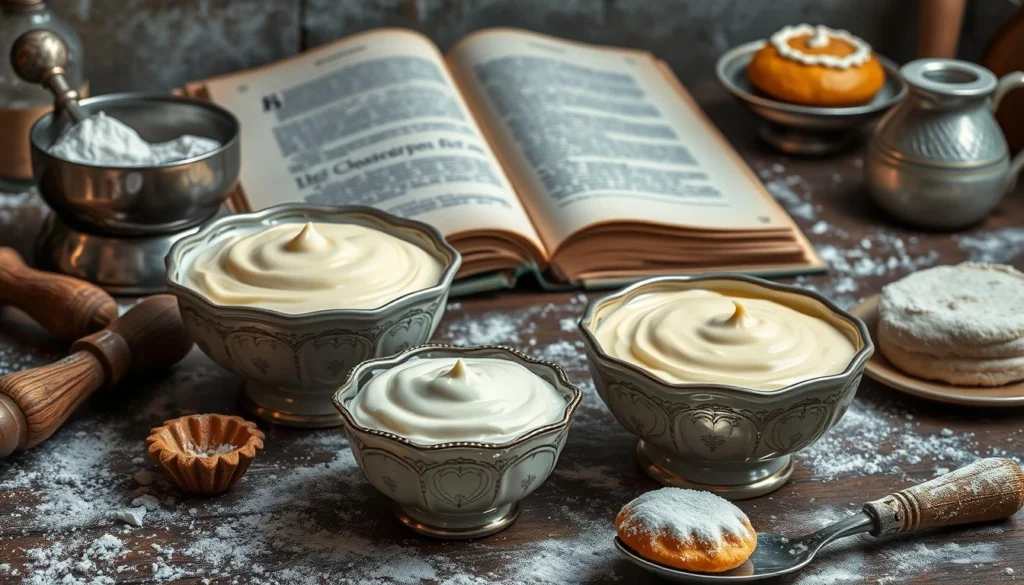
(1008, 83)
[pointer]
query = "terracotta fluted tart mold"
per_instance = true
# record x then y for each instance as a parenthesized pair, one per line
(205, 454)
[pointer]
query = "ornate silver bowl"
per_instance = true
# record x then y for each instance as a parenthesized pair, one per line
(733, 441)
(292, 364)
(457, 489)
(799, 129)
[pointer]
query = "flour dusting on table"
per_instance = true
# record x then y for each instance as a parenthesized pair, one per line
(304, 514)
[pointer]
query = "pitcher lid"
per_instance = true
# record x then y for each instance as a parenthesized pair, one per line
(949, 77)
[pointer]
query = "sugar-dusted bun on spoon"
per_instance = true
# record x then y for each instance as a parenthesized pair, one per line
(687, 529)
(816, 66)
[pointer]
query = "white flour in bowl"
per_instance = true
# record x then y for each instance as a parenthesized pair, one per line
(103, 140)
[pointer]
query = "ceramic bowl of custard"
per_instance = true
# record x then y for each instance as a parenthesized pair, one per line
(292, 297)
(456, 437)
(722, 377)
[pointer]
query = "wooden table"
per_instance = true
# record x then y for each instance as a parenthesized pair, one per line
(304, 514)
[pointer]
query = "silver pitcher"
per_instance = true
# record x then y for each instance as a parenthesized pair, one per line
(939, 159)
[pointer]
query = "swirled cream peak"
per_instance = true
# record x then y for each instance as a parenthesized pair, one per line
(699, 335)
(308, 241)
(440, 400)
(296, 268)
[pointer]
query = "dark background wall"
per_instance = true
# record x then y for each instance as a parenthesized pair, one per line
(160, 44)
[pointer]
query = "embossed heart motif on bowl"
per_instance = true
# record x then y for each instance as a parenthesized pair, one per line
(796, 427)
(461, 484)
(391, 475)
(716, 432)
(405, 333)
(646, 418)
(522, 474)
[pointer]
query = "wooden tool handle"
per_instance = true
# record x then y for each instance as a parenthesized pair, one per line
(990, 489)
(149, 336)
(67, 307)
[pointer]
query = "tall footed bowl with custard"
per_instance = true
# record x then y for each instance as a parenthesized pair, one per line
(293, 297)
(723, 377)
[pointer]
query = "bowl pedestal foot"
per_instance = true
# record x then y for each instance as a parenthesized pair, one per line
(457, 526)
(288, 407)
(121, 265)
(805, 141)
(731, 481)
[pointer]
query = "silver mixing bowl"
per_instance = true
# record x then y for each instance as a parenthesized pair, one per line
(141, 201)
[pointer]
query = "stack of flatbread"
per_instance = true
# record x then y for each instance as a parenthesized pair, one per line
(962, 324)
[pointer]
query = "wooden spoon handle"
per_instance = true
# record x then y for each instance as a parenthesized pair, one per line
(990, 489)
(67, 307)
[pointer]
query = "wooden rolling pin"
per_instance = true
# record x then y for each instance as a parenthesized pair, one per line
(35, 403)
(67, 307)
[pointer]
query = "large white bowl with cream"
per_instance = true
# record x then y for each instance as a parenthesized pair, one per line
(722, 377)
(292, 297)
(457, 436)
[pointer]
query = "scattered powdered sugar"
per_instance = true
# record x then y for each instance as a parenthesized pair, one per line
(132, 516)
(784, 189)
(62, 563)
(147, 501)
(197, 451)
(490, 329)
(305, 515)
(511, 327)
(687, 515)
(999, 246)
(868, 441)
(898, 561)
(881, 254)
(103, 140)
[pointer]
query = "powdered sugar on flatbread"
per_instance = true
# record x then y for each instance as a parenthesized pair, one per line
(969, 304)
(685, 515)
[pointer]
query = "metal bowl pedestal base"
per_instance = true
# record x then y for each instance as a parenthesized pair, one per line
(457, 526)
(121, 265)
(731, 481)
(807, 142)
(290, 408)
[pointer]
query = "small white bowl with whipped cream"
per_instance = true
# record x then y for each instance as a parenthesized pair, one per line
(457, 436)
(292, 297)
(723, 376)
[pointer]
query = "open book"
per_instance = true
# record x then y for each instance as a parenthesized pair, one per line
(583, 164)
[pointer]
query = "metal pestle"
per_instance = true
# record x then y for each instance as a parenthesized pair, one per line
(39, 56)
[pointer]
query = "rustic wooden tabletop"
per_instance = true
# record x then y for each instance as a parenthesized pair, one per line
(304, 513)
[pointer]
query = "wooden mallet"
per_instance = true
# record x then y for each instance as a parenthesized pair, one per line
(35, 403)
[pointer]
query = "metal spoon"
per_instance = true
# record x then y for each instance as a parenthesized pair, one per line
(39, 56)
(990, 489)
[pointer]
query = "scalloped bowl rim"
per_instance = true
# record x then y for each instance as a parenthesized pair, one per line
(256, 219)
(575, 395)
(857, 362)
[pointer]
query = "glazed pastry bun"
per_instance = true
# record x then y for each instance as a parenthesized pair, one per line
(816, 66)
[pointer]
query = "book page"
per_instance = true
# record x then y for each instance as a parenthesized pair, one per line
(591, 135)
(374, 119)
